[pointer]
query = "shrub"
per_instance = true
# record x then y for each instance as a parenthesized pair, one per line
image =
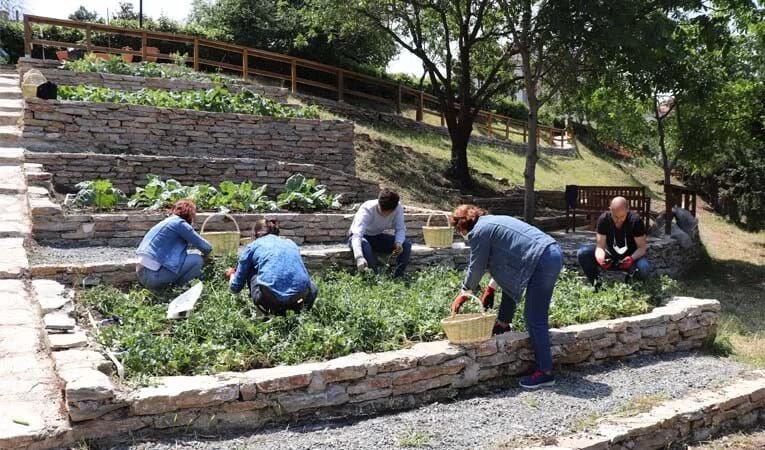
(511, 107)
(217, 99)
(353, 313)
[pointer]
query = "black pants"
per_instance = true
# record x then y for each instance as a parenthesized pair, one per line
(265, 300)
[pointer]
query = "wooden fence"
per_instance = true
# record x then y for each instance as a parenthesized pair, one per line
(321, 79)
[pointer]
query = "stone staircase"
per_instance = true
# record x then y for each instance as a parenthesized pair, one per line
(31, 397)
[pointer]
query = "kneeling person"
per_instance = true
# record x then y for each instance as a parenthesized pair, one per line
(274, 271)
(621, 244)
(367, 233)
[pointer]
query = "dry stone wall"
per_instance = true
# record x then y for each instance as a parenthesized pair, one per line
(361, 383)
(51, 71)
(112, 128)
(130, 171)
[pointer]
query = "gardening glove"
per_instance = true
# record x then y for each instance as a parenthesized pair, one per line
(626, 263)
(458, 302)
(230, 272)
(397, 249)
(487, 299)
(361, 264)
(605, 265)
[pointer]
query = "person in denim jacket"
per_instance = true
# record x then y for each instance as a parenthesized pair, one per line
(519, 257)
(163, 257)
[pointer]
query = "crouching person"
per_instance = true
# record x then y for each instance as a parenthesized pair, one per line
(163, 257)
(274, 271)
(367, 233)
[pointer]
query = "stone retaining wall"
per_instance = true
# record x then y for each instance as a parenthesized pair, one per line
(129, 171)
(360, 383)
(116, 128)
(370, 116)
(51, 71)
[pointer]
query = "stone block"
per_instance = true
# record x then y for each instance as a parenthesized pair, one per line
(64, 341)
(183, 392)
(426, 372)
(281, 378)
(332, 396)
(86, 384)
(346, 368)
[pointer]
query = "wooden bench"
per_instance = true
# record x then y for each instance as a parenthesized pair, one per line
(682, 197)
(594, 200)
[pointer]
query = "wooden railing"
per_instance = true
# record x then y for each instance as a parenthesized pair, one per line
(322, 79)
(682, 197)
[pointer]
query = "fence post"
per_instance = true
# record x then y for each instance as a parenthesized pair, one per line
(537, 134)
(27, 37)
(398, 99)
(340, 85)
(420, 105)
(144, 43)
(524, 132)
(196, 54)
(293, 77)
(245, 64)
(88, 43)
(489, 120)
(507, 129)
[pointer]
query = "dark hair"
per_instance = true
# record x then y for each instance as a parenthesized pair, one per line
(387, 199)
(464, 217)
(185, 209)
(264, 227)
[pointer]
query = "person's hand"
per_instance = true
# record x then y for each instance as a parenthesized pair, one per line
(605, 265)
(461, 298)
(487, 299)
(361, 264)
(230, 272)
(397, 249)
(626, 263)
(206, 258)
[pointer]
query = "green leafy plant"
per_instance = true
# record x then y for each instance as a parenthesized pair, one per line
(216, 99)
(242, 197)
(158, 194)
(302, 194)
(353, 313)
(97, 193)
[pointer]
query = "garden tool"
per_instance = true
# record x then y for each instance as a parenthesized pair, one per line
(182, 305)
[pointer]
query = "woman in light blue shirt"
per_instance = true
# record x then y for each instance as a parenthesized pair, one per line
(163, 257)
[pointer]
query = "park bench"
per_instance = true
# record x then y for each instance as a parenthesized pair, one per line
(594, 200)
(682, 197)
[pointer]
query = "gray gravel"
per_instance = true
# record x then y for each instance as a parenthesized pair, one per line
(485, 422)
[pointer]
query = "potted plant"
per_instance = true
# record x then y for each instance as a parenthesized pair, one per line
(127, 57)
(104, 56)
(62, 55)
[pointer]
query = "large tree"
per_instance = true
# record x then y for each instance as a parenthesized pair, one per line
(464, 46)
(82, 14)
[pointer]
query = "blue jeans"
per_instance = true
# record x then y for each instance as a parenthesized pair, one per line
(163, 278)
(537, 310)
(641, 270)
(383, 243)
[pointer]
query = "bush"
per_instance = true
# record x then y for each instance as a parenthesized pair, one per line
(116, 65)
(511, 107)
(100, 194)
(301, 194)
(12, 40)
(352, 314)
(217, 99)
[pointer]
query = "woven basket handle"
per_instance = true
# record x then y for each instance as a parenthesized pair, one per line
(474, 298)
(427, 224)
(202, 230)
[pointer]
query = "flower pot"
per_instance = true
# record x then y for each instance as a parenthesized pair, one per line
(104, 56)
(128, 58)
(62, 55)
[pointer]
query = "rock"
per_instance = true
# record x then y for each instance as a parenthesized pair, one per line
(183, 392)
(349, 367)
(87, 410)
(51, 295)
(432, 353)
(426, 372)
(276, 379)
(391, 361)
(334, 395)
(86, 384)
(63, 341)
(58, 322)
(82, 359)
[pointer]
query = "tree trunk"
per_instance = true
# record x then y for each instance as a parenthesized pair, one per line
(459, 170)
(529, 173)
(667, 170)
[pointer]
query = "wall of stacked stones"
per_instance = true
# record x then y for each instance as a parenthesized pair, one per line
(52, 125)
(130, 171)
(360, 383)
(368, 115)
(61, 77)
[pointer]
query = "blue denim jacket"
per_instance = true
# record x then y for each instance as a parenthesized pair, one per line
(167, 241)
(509, 248)
(278, 264)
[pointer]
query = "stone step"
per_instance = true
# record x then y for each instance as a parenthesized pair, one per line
(10, 92)
(12, 156)
(11, 105)
(12, 180)
(9, 118)
(10, 135)
(14, 263)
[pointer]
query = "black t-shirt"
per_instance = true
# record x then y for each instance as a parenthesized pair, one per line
(620, 243)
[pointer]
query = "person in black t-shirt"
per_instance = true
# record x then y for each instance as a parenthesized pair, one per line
(621, 244)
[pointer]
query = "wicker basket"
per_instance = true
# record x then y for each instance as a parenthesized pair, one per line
(469, 328)
(223, 242)
(438, 237)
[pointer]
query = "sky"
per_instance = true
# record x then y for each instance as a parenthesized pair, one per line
(405, 62)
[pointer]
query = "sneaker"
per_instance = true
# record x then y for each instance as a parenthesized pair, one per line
(537, 380)
(499, 329)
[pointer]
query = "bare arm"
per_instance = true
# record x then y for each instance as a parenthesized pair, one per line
(600, 249)
(642, 246)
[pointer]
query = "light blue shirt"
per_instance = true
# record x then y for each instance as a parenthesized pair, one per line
(167, 241)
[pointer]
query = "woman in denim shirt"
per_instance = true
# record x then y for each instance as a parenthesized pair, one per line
(163, 257)
(519, 257)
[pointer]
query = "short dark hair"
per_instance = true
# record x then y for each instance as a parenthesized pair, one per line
(266, 226)
(387, 199)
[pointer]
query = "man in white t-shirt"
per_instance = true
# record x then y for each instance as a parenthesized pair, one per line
(367, 233)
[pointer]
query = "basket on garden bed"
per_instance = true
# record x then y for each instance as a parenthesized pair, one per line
(438, 236)
(223, 242)
(469, 328)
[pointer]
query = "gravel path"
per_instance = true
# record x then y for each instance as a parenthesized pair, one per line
(485, 422)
